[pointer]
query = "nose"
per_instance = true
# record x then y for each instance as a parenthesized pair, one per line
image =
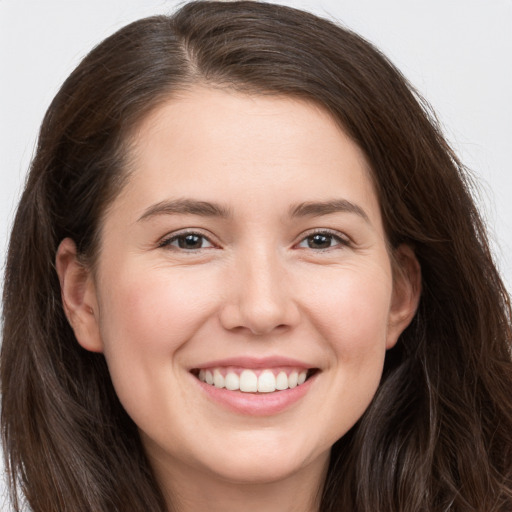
(260, 296)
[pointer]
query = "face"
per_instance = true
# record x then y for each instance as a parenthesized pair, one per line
(244, 297)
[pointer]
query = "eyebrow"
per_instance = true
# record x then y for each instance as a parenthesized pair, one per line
(208, 209)
(185, 206)
(316, 209)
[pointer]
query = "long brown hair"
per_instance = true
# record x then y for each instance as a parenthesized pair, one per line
(438, 434)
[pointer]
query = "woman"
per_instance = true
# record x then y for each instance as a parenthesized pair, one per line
(247, 273)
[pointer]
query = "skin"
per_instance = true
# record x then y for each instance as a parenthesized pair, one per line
(258, 287)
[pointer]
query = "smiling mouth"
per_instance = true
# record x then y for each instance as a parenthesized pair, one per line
(254, 381)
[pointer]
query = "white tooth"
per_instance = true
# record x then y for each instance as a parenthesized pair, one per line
(266, 382)
(232, 381)
(248, 381)
(208, 377)
(201, 376)
(293, 379)
(282, 381)
(218, 379)
(302, 378)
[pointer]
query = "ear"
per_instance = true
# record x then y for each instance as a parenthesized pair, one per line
(406, 292)
(78, 296)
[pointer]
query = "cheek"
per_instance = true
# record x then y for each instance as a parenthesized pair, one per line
(352, 312)
(357, 342)
(153, 311)
(352, 318)
(146, 318)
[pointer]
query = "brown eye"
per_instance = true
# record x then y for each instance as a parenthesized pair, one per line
(187, 241)
(190, 242)
(322, 240)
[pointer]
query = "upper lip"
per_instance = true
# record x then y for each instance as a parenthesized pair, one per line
(255, 363)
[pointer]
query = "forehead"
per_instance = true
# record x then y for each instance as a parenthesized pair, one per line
(216, 143)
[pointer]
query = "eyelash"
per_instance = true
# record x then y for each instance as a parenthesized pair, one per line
(167, 242)
(340, 240)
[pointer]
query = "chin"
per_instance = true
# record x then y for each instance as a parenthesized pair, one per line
(264, 465)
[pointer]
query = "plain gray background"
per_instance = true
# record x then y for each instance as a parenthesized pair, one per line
(457, 53)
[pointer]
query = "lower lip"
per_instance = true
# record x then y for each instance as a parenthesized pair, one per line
(256, 404)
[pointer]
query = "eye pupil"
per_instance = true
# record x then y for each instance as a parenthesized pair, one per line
(319, 241)
(190, 242)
